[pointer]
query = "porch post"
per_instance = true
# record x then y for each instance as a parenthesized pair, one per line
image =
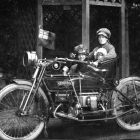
(39, 49)
(85, 23)
(124, 47)
(127, 43)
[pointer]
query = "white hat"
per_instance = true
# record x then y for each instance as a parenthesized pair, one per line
(100, 50)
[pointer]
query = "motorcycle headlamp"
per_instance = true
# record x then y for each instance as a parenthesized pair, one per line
(29, 58)
(56, 65)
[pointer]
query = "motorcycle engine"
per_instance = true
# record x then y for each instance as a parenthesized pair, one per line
(89, 100)
(86, 101)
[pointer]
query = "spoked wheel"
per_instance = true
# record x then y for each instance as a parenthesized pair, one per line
(14, 124)
(130, 120)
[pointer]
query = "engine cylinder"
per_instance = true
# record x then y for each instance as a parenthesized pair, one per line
(93, 102)
(88, 100)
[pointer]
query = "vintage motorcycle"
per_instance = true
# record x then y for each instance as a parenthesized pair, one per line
(26, 106)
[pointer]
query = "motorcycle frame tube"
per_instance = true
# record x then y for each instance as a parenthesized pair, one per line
(48, 94)
(124, 96)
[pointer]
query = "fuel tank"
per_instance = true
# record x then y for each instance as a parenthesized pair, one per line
(86, 81)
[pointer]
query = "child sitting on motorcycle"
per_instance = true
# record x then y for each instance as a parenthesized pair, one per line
(80, 53)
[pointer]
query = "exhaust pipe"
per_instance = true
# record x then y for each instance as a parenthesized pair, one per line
(59, 114)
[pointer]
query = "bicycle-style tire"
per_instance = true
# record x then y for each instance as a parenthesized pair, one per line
(18, 127)
(131, 120)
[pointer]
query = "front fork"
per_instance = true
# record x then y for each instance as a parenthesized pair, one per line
(36, 83)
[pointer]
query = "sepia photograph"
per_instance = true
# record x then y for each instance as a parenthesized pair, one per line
(69, 70)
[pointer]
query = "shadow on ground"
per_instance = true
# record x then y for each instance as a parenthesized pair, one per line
(72, 131)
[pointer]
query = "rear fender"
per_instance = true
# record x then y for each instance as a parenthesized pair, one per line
(124, 80)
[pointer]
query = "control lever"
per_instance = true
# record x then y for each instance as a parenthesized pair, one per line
(81, 75)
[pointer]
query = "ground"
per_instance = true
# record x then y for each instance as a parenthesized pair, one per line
(104, 131)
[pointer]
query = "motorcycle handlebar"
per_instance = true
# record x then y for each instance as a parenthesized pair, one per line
(47, 62)
(71, 60)
(58, 61)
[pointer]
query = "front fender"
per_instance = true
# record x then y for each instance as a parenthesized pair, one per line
(29, 83)
(22, 82)
(124, 80)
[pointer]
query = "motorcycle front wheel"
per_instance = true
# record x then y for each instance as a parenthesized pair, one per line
(128, 113)
(14, 125)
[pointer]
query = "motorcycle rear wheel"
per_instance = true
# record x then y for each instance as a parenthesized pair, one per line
(131, 120)
(13, 125)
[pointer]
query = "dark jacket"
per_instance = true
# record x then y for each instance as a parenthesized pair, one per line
(78, 68)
